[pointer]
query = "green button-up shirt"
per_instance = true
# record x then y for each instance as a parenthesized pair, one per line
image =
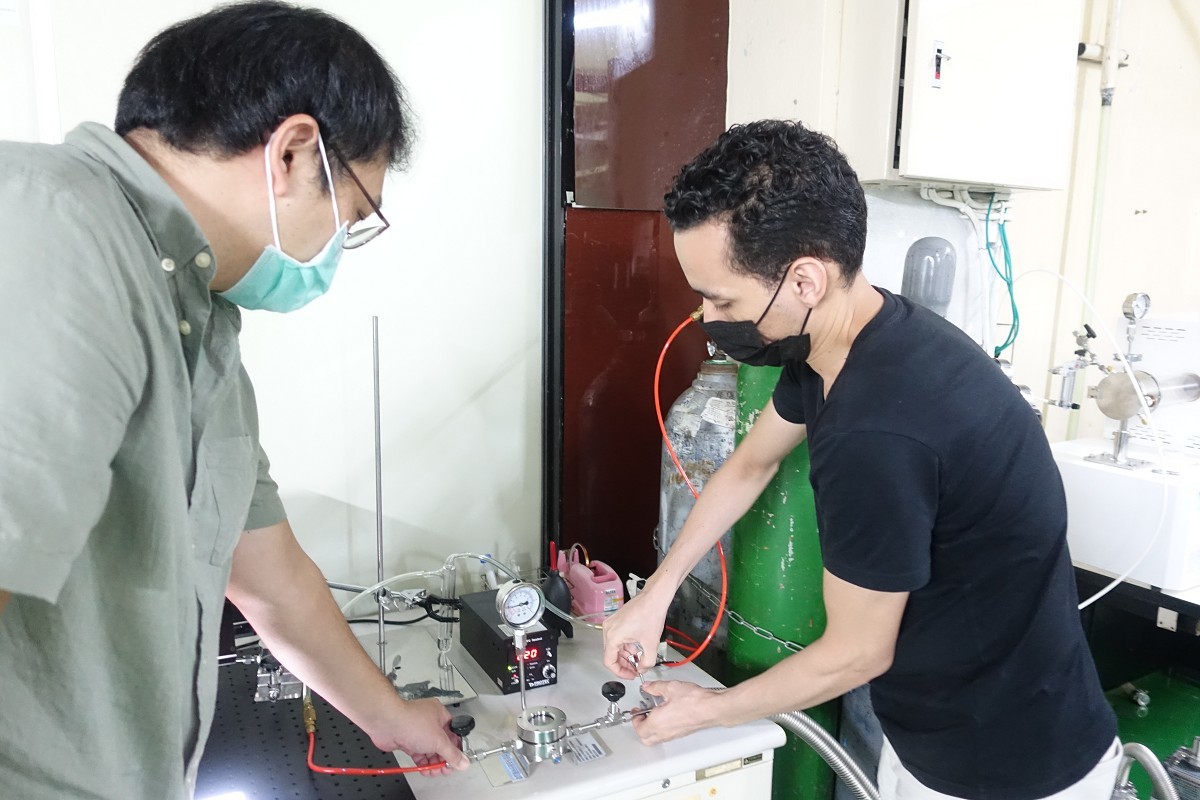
(129, 465)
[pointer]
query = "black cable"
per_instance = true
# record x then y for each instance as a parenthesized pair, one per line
(393, 621)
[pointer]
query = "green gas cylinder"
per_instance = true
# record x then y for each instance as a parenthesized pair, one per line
(775, 584)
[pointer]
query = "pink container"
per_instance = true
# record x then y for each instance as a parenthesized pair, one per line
(596, 589)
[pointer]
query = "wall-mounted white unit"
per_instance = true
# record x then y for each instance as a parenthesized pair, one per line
(964, 92)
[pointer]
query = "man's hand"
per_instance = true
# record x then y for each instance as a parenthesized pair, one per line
(633, 633)
(421, 729)
(688, 708)
(285, 599)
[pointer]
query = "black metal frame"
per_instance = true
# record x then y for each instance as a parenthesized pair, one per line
(558, 164)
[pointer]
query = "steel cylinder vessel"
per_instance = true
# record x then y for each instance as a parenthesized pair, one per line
(700, 426)
(775, 584)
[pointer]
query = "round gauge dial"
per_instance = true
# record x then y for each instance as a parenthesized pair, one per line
(520, 604)
(1136, 306)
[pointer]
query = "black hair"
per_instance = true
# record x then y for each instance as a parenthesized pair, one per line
(222, 82)
(784, 192)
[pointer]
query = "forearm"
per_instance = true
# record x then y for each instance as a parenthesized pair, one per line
(815, 675)
(304, 628)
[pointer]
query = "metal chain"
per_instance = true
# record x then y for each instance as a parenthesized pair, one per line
(757, 630)
(712, 598)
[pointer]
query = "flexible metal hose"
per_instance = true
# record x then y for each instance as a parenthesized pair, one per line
(1159, 779)
(837, 758)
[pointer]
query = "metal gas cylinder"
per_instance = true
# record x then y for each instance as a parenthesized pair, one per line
(700, 426)
(777, 585)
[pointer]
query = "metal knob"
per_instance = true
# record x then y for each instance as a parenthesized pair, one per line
(613, 691)
(462, 725)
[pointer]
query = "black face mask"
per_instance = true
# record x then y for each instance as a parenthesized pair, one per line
(742, 342)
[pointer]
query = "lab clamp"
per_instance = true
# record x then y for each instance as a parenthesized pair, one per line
(542, 731)
(1117, 396)
(273, 682)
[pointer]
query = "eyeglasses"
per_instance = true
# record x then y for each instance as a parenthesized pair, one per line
(367, 229)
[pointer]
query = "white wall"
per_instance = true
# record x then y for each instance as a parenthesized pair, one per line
(456, 283)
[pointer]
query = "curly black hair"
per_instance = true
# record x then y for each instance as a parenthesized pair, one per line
(784, 192)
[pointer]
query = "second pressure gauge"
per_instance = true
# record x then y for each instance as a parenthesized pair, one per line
(1136, 306)
(520, 604)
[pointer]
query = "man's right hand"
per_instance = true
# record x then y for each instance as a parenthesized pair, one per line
(637, 624)
(421, 729)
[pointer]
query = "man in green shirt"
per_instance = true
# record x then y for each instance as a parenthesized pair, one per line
(250, 147)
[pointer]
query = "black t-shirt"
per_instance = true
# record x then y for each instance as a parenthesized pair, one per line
(932, 476)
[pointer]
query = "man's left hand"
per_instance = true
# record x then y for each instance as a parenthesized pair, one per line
(687, 708)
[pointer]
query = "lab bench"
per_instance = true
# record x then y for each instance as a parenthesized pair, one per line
(259, 749)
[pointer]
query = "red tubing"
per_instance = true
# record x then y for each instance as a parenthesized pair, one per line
(312, 743)
(662, 427)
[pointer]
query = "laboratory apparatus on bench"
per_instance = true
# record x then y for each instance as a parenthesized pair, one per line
(542, 731)
(1132, 502)
(505, 644)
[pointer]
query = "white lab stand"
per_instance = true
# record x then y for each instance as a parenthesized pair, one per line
(714, 763)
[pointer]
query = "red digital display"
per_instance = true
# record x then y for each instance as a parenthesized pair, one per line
(529, 654)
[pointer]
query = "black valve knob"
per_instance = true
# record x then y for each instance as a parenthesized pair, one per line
(462, 725)
(613, 691)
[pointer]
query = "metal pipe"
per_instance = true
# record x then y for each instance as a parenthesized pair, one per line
(1159, 779)
(378, 496)
(828, 749)
(1108, 86)
(519, 646)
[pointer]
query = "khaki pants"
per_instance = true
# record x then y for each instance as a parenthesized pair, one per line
(897, 783)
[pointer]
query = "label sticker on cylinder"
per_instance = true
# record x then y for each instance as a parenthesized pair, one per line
(720, 411)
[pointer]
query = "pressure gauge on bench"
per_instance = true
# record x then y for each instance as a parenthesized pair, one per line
(520, 604)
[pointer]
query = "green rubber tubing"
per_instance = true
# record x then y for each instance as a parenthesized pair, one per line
(775, 579)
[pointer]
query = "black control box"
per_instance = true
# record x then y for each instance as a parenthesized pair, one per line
(490, 642)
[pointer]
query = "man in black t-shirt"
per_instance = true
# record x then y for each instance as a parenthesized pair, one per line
(947, 583)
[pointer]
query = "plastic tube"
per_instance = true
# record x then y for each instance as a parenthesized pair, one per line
(662, 427)
(383, 584)
(310, 727)
(816, 737)
(931, 194)
(1164, 789)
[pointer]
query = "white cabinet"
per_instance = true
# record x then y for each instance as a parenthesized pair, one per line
(966, 92)
(999, 112)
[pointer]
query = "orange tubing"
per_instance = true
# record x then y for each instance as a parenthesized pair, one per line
(662, 427)
(312, 743)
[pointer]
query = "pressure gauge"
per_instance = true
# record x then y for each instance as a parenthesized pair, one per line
(1136, 306)
(520, 604)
